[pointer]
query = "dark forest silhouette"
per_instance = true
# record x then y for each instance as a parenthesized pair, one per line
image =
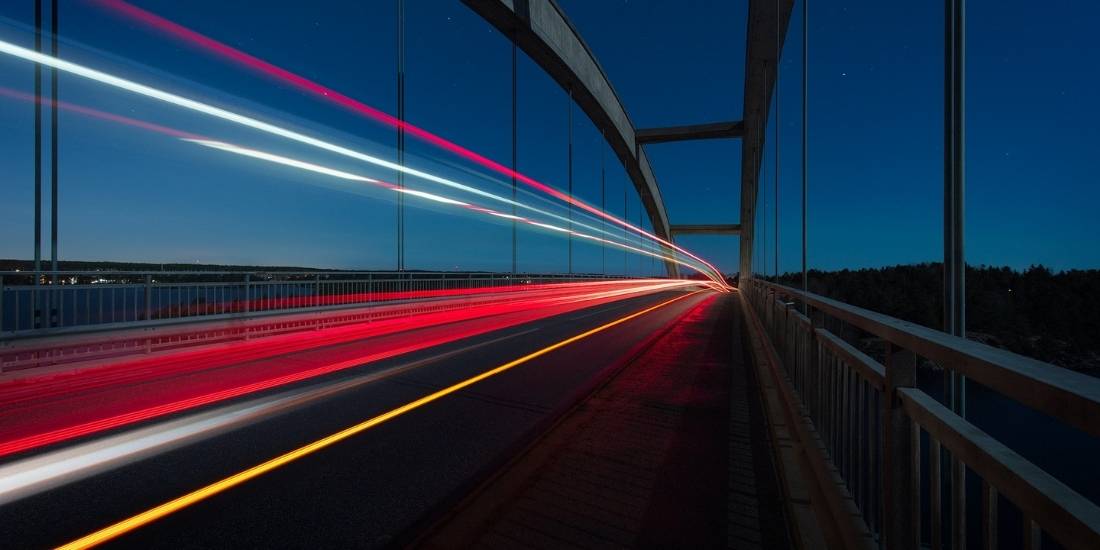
(1047, 315)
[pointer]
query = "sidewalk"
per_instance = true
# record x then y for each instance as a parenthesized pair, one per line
(664, 455)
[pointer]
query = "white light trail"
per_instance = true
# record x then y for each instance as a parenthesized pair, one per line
(41, 473)
(281, 160)
(316, 168)
(548, 226)
(217, 112)
(430, 196)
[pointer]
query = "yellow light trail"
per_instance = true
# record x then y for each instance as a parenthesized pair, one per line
(153, 514)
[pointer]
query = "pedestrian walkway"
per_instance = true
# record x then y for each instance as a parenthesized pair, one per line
(663, 455)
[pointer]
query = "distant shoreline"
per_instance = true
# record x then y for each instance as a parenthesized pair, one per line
(1050, 316)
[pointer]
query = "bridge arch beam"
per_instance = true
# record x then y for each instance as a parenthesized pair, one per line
(541, 29)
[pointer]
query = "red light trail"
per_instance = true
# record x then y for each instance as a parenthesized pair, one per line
(209, 44)
(200, 140)
(134, 522)
(55, 407)
(102, 115)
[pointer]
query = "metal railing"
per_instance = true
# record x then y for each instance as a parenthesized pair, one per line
(871, 419)
(53, 302)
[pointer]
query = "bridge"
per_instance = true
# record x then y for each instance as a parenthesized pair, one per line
(524, 362)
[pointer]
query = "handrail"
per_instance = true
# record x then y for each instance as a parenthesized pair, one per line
(1066, 515)
(872, 371)
(40, 303)
(1069, 396)
(398, 274)
(869, 418)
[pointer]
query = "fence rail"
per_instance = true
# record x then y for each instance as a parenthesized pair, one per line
(51, 302)
(872, 420)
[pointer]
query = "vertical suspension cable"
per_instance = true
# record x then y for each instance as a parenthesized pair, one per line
(641, 245)
(37, 142)
(36, 319)
(960, 175)
(953, 384)
(778, 66)
(515, 164)
(53, 142)
(758, 213)
(401, 133)
(625, 236)
(954, 259)
(603, 201)
(569, 119)
(759, 158)
(762, 214)
(805, 142)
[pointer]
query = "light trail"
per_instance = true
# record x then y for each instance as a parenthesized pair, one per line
(40, 473)
(102, 115)
(387, 314)
(316, 168)
(229, 116)
(286, 161)
(172, 506)
(204, 42)
(106, 414)
(430, 196)
(217, 112)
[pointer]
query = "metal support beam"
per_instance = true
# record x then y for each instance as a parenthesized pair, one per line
(715, 130)
(541, 29)
(766, 18)
(954, 184)
(707, 229)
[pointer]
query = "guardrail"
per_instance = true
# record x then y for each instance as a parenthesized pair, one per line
(52, 302)
(870, 418)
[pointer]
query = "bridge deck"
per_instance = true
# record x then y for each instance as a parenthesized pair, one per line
(670, 452)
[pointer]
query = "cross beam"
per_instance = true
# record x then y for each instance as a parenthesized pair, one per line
(706, 229)
(714, 130)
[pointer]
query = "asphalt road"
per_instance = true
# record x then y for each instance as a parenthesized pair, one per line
(376, 488)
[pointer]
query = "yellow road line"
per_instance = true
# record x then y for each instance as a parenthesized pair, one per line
(153, 514)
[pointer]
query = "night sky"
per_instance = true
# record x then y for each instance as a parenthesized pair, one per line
(875, 134)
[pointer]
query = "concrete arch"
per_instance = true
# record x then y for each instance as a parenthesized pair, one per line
(541, 29)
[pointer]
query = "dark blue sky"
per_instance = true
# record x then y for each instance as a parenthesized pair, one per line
(876, 124)
(876, 134)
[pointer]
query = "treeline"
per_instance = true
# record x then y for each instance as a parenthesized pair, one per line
(77, 265)
(1047, 315)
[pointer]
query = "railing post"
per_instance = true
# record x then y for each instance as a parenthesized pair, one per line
(781, 328)
(247, 292)
(787, 335)
(769, 312)
(36, 313)
(813, 374)
(901, 524)
(148, 296)
(51, 292)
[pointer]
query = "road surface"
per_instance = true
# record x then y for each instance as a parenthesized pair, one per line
(374, 488)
